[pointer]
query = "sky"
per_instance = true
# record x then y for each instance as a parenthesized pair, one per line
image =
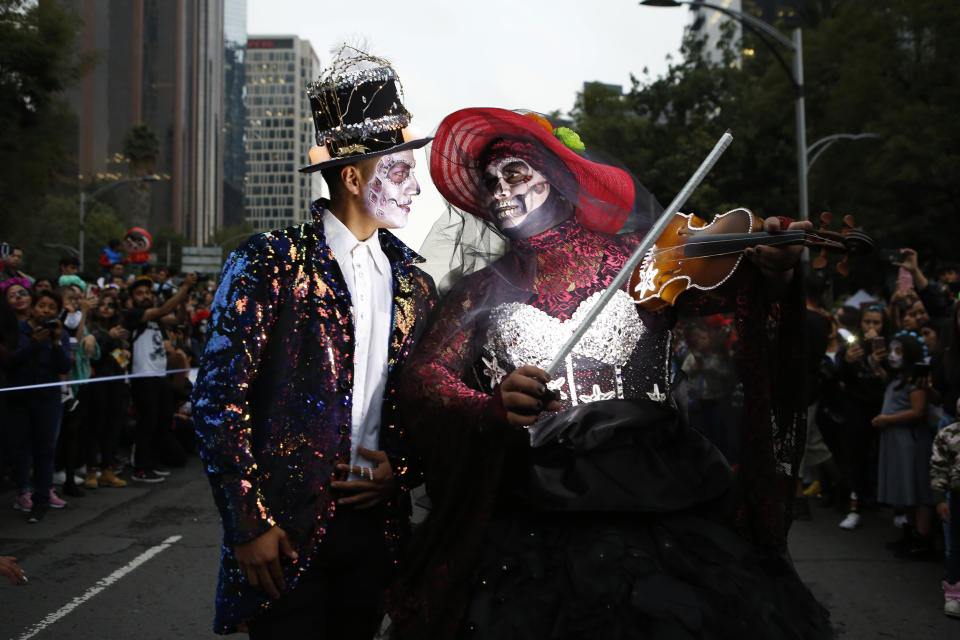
(519, 54)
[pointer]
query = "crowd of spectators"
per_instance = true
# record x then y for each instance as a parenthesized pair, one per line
(141, 330)
(882, 383)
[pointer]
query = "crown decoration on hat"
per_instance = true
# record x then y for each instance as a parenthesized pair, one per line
(357, 109)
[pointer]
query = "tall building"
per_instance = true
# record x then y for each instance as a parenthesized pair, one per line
(279, 131)
(708, 25)
(234, 109)
(161, 64)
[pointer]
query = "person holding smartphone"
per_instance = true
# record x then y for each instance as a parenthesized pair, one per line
(863, 374)
(42, 355)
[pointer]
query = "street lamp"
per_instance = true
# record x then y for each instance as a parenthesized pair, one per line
(795, 46)
(821, 145)
(101, 190)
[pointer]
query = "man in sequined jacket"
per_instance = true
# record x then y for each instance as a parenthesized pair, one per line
(295, 402)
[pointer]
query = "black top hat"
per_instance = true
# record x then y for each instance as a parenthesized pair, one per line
(359, 115)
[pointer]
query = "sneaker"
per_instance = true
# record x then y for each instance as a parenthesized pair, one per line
(73, 489)
(852, 521)
(147, 476)
(951, 597)
(59, 477)
(900, 521)
(92, 480)
(56, 501)
(161, 471)
(952, 608)
(23, 502)
(37, 513)
(109, 479)
(813, 490)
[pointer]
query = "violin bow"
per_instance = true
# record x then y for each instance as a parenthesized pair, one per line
(648, 240)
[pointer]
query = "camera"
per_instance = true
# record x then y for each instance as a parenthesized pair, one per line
(891, 255)
(51, 324)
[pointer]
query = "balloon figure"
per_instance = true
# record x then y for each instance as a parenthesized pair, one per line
(138, 243)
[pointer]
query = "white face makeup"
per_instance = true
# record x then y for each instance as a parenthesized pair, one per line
(389, 193)
(516, 190)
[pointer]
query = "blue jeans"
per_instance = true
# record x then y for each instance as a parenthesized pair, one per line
(33, 421)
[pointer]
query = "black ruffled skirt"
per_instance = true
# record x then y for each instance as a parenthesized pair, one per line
(617, 526)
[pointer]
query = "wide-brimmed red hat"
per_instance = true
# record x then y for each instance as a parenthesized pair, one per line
(603, 195)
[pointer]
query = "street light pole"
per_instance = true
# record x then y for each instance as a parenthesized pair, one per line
(795, 46)
(107, 187)
(800, 109)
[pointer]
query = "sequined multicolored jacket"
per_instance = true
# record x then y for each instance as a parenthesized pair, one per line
(273, 397)
(945, 463)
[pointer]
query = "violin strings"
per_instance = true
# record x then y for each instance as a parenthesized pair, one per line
(769, 241)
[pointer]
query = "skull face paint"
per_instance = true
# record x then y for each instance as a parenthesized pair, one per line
(516, 189)
(390, 190)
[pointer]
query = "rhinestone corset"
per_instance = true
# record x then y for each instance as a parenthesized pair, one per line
(622, 355)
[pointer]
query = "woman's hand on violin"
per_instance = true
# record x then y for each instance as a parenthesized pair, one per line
(778, 259)
(523, 394)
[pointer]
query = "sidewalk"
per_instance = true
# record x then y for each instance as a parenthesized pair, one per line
(870, 592)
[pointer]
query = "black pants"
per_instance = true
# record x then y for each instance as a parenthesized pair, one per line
(152, 399)
(106, 403)
(340, 597)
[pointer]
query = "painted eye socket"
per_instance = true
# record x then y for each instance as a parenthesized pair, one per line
(399, 172)
(516, 173)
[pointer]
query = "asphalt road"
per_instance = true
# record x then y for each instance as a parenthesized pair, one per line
(140, 563)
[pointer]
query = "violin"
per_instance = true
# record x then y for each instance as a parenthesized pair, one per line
(692, 254)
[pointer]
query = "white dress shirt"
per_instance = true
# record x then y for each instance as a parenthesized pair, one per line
(369, 280)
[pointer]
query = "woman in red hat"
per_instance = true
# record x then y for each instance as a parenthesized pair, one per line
(577, 506)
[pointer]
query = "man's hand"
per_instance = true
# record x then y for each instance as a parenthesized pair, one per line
(778, 259)
(366, 493)
(908, 260)
(943, 510)
(523, 394)
(118, 333)
(9, 568)
(259, 560)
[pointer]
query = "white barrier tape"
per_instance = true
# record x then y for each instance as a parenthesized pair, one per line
(152, 374)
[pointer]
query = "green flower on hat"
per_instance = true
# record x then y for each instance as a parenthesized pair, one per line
(570, 139)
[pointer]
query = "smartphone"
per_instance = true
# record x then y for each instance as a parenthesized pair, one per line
(891, 255)
(921, 369)
(878, 344)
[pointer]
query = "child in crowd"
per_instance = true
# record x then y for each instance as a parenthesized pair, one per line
(112, 254)
(905, 443)
(944, 477)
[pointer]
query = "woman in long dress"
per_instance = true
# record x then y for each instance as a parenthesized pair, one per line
(582, 506)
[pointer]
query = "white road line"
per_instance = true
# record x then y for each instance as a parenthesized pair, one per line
(98, 587)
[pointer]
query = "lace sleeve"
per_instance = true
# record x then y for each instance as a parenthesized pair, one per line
(433, 391)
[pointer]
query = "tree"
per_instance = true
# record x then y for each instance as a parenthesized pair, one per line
(141, 146)
(38, 60)
(231, 237)
(888, 71)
